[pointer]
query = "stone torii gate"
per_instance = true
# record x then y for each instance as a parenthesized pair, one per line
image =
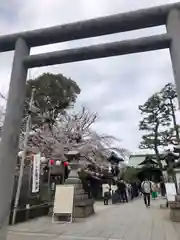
(22, 42)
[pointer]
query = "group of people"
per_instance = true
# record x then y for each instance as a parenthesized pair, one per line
(120, 191)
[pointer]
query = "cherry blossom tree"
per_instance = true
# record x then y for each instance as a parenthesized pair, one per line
(72, 131)
(69, 131)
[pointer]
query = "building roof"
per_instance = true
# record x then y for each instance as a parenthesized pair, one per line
(142, 155)
(136, 160)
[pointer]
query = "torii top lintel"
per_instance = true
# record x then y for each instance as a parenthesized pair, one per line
(122, 22)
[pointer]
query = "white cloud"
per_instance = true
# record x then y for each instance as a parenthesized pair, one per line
(95, 94)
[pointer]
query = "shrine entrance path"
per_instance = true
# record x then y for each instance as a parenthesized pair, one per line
(132, 221)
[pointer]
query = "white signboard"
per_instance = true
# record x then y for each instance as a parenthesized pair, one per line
(170, 191)
(63, 201)
(36, 173)
(178, 180)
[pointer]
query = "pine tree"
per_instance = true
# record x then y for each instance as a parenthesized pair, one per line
(155, 124)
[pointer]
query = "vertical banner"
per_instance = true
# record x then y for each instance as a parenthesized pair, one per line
(36, 173)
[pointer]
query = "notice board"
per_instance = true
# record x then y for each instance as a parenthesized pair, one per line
(63, 201)
(170, 191)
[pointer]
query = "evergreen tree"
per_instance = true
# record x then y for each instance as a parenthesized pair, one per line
(169, 96)
(53, 94)
(155, 124)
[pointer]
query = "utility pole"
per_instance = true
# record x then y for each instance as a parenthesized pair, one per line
(24, 153)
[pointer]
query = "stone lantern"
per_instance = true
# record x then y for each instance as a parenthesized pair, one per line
(73, 158)
(83, 205)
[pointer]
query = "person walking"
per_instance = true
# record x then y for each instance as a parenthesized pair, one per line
(146, 187)
(106, 193)
(162, 187)
(122, 189)
(154, 191)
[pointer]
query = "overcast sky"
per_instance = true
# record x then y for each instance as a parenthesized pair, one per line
(114, 87)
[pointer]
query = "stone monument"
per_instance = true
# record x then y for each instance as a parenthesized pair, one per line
(175, 210)
(83, 205)
(175, 206)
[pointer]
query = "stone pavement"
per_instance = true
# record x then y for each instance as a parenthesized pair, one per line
(132, 221)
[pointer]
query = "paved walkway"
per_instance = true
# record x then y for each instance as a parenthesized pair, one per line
(132, 221)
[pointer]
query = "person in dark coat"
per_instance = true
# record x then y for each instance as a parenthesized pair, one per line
(162, 187)
(122, 190)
